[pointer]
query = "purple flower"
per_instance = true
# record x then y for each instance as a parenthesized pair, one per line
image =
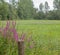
(13, 30)
(10, 31)
(6, 28)
(15, 34)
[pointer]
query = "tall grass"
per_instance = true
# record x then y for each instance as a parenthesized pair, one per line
(42, 37)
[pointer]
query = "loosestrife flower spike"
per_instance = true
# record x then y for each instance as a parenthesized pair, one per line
(15, 34)
(8, 31)
(6, 28)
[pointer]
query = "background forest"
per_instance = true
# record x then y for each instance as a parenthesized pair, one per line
(25, 10)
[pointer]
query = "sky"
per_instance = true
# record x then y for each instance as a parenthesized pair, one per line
(37, 2)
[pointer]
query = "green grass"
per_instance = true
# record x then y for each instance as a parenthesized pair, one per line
(46, 34)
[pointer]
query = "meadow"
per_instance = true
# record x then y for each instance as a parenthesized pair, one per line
(45, 33)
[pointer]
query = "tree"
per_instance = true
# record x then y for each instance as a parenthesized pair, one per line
(3, 9)
(53, 15)
(40, 15)
(12, 9)
(46, 7)
(41, 7)
(25, 9)
(56, 4)
(2, 1)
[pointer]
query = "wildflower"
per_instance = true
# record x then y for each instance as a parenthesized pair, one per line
(15, 34)
(6, 28)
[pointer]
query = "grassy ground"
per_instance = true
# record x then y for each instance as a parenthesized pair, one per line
(46, 35)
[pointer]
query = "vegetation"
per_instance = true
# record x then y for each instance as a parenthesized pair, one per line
(9, 39)
(39, 28)
(46, 36)
(24, 9)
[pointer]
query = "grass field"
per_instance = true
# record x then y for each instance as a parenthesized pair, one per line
(46, 34)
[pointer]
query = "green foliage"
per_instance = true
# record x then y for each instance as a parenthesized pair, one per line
(7, 47)
(3, 10)
(13, 9)
(56, 4)
(25, 9)
(45, 33)
(40, 16)
(41, 7)
(53, 15)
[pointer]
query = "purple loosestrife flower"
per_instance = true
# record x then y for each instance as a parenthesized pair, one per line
(13, 30)
(15, 34)
(10, 31)
(6, 28)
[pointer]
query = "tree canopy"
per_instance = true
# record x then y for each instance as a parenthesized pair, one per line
(24, 9)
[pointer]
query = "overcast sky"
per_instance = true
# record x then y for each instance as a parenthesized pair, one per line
(37, 2)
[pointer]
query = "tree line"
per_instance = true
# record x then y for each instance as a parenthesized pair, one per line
(24, 9)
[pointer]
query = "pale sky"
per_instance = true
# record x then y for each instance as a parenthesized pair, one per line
(37, 2)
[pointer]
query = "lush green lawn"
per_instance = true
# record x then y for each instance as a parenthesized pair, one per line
(46, 34)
